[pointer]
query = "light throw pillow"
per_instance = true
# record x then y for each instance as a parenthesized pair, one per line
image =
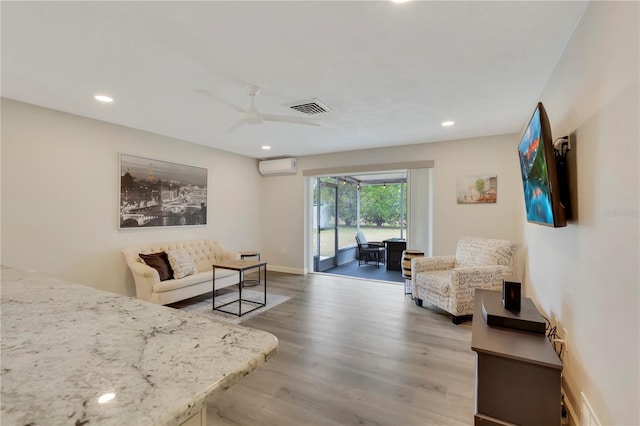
(159, 262)
(181, 263)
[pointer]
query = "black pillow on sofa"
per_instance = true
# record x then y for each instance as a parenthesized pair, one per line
(159, 262)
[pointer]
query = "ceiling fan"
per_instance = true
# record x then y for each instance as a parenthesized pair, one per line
(252, 116)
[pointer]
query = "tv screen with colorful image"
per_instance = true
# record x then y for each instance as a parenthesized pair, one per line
(539, 177)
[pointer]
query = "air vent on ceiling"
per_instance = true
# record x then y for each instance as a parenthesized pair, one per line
(310, 107)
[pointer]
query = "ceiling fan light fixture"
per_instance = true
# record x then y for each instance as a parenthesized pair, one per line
(252, 116)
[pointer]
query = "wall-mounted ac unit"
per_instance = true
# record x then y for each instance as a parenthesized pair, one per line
(283, 166)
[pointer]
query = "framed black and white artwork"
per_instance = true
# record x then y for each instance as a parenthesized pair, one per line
(160, 193)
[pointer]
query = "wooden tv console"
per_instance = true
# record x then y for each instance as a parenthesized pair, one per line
(517, 375)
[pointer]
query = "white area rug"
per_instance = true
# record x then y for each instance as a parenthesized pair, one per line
(206, 308)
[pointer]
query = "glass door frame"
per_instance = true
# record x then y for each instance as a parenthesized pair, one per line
(322, 263)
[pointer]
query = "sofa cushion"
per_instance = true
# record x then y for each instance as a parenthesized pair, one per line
(159, 262)
(181, 263)
(191, 280)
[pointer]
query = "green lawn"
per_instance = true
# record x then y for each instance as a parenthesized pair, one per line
(347, 237)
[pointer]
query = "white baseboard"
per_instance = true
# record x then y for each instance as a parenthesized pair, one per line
(287, 269)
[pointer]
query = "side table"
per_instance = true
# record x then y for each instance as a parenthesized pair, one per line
(394, 248)
(241, 266)
(407, 255)
(243, 256)
(518, 374)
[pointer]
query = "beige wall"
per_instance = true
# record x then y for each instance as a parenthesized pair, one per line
(60, 188)
(587, 273)
(283, 214)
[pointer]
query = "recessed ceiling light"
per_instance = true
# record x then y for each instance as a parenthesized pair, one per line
(266, 147)
(106, 398)
(103, 98)
(448, 123)
(399, 1)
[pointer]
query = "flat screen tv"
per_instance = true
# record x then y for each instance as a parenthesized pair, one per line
(539, 173)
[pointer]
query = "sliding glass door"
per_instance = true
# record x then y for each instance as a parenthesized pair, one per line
(345, 204)
(326, 223)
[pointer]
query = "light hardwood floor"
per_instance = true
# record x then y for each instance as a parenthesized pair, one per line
(353, 352)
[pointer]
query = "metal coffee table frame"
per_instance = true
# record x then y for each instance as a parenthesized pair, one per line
(241, 266)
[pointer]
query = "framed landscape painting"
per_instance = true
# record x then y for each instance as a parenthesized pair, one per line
(479, 189)
(159, 193)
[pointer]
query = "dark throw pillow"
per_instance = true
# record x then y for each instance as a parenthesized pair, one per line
(159, 262)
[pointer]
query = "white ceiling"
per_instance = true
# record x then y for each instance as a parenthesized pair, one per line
(390, 72)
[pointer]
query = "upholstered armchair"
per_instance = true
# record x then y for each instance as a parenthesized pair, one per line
(449, 282)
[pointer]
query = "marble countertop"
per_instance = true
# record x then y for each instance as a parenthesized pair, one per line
(66, 345)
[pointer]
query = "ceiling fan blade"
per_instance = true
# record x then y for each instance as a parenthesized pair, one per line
(289, 119)
(237, 124)
(223, 101)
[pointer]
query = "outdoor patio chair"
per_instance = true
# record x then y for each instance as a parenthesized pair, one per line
(369, 251)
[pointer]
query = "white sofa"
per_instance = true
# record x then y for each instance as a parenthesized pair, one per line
(203, 253)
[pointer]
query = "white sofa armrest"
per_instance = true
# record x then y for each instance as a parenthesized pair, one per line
(145, 278)
(144, 270)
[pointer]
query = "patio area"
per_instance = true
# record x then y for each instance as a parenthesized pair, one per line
(352, 269)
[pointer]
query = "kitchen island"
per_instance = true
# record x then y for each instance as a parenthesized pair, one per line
(74, 355)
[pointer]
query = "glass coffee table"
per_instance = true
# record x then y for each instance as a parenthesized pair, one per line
(241, 266)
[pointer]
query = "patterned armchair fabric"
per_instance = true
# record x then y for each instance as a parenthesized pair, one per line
(449, 282)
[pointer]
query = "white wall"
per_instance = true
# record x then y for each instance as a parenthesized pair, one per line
(60, 187)
(283, 233)
(587, 273)
(419, 211)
